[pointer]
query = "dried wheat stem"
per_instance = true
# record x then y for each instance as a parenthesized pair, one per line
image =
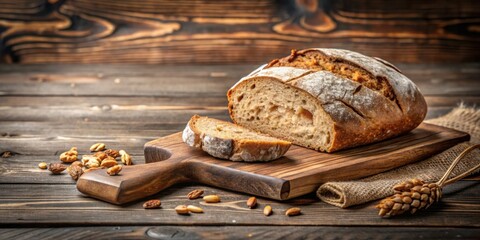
(443, 181)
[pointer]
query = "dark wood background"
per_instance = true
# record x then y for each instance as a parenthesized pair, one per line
(236, 31)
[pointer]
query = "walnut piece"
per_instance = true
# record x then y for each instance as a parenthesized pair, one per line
(151, 204)
(114, 170)
(126, 158)
(97, 147)
(112, 153)
(90, 161)
(100, 156)
(76, 163)
(75, 171)
(195, 194)
(56, 168)
(108, 163)
(69, 156)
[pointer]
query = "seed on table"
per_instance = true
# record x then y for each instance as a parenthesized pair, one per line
(56, 168)
(42, 165)
(293, 211)
(252, 202)
(151, 204)
(267, 211)
(194, 209)
(181, 209)
(195, 194)
(211, 199)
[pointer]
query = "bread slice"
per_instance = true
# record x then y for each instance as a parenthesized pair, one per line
(229, 141)
(327, 100)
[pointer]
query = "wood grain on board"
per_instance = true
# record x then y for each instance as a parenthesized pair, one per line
(299, 172)
(238, 31)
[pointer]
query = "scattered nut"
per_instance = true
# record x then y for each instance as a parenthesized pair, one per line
(69, 156)
(108, 163)
(112, 153)
(195, 194)
(151, 204)
(125, 157)
(100, 155)
(109, 158)
(91, 163)
(211, 199)
(56, 168)
(293, 211)
(88, 158)
(76, 163)
(75, 171)
(114, 170)
(42, 165)
(181, 209)
(194, 209)
(267, 211)
(97, 147)
(252, 202)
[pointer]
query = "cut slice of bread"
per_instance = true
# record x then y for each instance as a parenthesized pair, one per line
(229, 141)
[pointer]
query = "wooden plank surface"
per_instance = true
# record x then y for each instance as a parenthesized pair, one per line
(23, 205)
(39, 119)
(239, 31)
(237, 232)
(452, 79)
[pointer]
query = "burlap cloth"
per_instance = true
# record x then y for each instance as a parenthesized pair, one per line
(348, 193)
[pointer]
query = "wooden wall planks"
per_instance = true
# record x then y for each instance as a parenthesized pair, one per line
(237, 31)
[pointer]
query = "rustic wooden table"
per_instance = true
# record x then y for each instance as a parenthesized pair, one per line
(46, 109)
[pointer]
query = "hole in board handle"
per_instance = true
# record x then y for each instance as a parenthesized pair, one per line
(156, 154)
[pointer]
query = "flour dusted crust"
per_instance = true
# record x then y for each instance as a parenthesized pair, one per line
(358, 113)
(235, 148)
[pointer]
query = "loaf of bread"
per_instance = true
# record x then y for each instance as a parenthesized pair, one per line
(229, 141)
(327, 100)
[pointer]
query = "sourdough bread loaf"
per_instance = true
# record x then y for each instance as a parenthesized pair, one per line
(327, 99)
(229, 141)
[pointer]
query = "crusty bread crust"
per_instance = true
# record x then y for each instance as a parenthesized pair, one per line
(248, 150)
(361, 115)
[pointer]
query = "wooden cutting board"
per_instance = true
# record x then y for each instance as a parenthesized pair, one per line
(299, 172)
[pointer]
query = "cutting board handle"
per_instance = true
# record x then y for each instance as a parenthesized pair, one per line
(133, 182)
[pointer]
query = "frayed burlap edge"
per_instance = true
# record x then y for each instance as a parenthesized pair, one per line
(348, 193)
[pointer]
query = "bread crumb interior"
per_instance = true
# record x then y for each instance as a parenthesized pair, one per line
(282, 111)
